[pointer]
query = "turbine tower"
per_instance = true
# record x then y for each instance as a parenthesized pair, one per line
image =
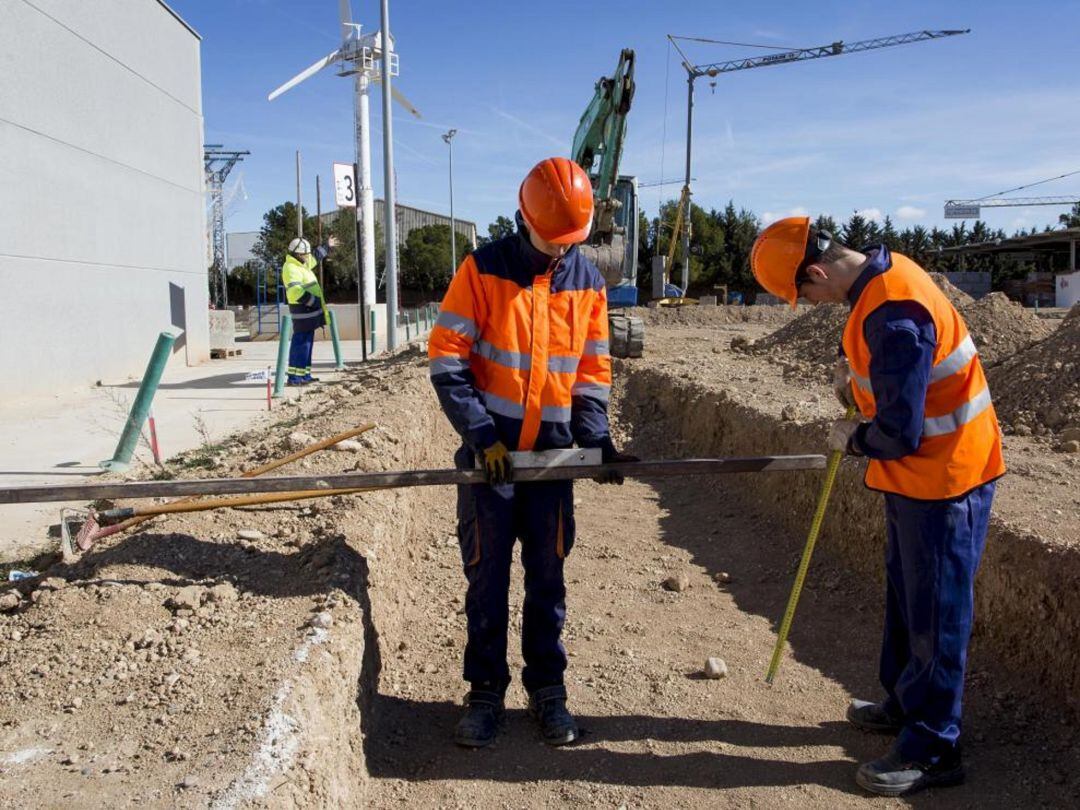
(360, 56)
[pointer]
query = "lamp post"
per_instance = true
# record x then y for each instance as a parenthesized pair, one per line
(449, 138)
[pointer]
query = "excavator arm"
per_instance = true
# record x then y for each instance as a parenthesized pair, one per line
(598, 142)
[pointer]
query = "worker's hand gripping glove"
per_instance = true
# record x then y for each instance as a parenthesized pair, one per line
(841, 383)
(498, 465)
(842, 434)
(612, 456)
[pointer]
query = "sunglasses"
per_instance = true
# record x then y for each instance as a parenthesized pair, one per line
(816, 244)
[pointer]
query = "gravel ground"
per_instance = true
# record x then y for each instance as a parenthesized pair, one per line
(317, 662)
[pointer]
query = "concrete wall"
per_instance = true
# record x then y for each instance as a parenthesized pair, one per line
(102, 216)
(1067, 290)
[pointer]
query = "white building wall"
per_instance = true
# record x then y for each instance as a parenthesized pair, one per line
(1067, 289)
(102, 235)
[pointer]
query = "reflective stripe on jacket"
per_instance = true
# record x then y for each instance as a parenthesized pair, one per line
(519, 352)
(960, 445)
(303, 293)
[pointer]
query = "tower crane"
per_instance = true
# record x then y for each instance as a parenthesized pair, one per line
(694, 72)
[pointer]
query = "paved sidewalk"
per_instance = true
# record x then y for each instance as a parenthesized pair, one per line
(60, 440)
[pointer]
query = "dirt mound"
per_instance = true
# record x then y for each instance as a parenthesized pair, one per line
(711, 315)
(1002, 327)
(809, 343)
(1037, 390)
(957, 297)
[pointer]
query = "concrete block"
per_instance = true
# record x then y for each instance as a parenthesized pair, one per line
(222, 329)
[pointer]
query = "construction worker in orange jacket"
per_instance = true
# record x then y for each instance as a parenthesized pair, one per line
(928, 428)
(519, 360)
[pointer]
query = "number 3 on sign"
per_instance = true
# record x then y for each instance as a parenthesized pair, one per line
(344, 185)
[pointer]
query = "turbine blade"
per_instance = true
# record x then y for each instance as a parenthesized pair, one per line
(345, 12)
(305, 74)
(398, 96)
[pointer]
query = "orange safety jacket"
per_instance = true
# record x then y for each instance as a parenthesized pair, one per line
(519, 352)
(960, 445)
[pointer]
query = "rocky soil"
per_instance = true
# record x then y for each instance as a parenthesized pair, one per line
(1037, 390)
(308, 654)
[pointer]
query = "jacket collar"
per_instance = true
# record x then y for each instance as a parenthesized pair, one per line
(878, 260)
(533, 260)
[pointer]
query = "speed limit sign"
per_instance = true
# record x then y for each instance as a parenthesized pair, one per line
(344, 185)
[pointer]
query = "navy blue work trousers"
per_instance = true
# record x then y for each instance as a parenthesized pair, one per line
(300, 348)
(490, 520)
(933, 552)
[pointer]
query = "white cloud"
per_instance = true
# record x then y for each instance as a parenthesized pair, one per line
(908, 212)
(771, 216)
(871, 213)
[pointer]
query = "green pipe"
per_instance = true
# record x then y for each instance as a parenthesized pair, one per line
(339, 364)
(284, 338)
(125, 448)
(373, 330)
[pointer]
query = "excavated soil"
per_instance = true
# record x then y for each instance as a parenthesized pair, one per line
(276, 704)
(808, 345)
(1001, 327)
(1037, 390)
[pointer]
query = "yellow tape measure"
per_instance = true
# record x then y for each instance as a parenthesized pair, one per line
(804, 563)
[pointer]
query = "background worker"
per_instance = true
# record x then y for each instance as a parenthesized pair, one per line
(519, 360)
(930, 433)
(306, 306)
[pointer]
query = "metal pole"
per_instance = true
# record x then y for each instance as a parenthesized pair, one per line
(318, 226)
(361, 278)
(365, 209)
(449, 138)
(388, 185)
(51, 493)
(299, 205)
(129, 438)
(284, 339)
(690, 76)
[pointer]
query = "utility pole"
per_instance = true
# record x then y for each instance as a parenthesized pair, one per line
(299, 205)
(449, 138)
(318, 226)
(217, 163)
(712, 70)
(388, 182)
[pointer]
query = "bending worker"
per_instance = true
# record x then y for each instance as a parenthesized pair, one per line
(306, 306)
(519, 360)
(930, 433)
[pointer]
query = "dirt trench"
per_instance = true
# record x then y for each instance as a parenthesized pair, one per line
(271, 711)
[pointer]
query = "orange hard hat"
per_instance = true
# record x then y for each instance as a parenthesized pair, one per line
(556, 200)
(777, 254)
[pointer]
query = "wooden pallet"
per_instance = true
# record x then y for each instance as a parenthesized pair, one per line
(221, 354)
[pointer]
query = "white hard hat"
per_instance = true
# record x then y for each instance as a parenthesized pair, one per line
(299, 245)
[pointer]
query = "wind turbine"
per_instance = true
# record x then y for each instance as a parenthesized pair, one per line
(360, 56)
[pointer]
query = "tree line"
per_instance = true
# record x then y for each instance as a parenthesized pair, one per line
(720, 250)
(424, 260)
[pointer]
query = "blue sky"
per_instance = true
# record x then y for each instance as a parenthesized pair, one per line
(893, 131)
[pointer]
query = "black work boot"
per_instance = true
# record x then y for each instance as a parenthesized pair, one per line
(873, 717)
(548, 706)
(483, 714)
(895, 775)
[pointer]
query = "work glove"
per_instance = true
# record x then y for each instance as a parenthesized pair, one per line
(841, 434)
(498, 465)
(841, 383)
(609, 456)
